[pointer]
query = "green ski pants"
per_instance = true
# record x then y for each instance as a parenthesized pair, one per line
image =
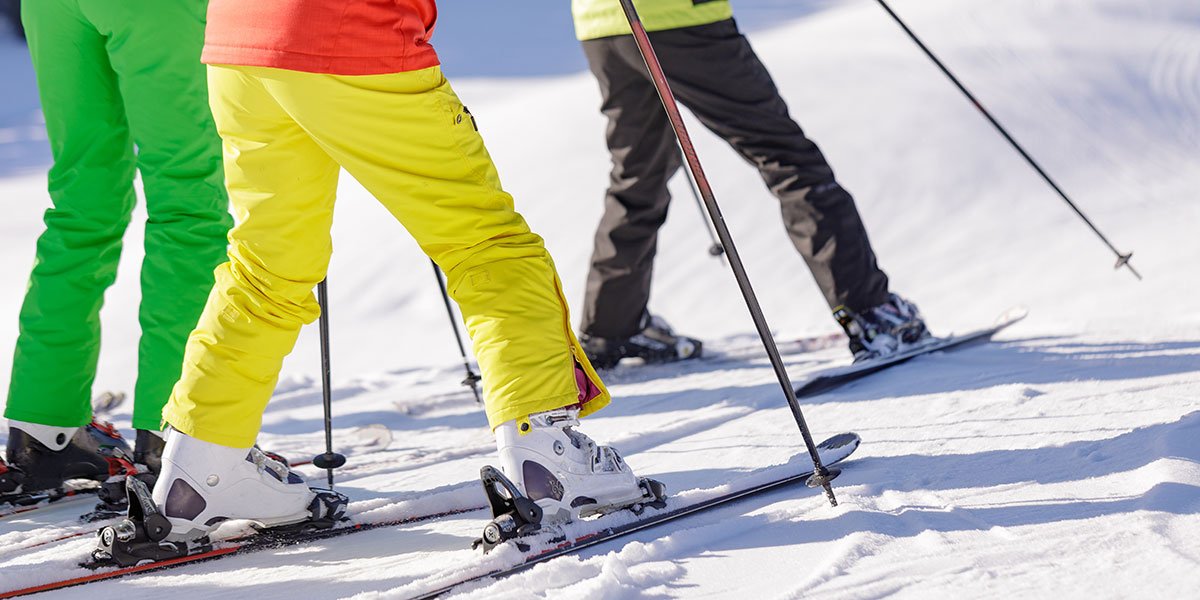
(114, 75)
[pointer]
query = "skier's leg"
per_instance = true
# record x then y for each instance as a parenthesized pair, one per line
(155, 49)
(644, 156)
(441, 184)
(715, 73)
(408, 139)
(281, 187)
(91, 189)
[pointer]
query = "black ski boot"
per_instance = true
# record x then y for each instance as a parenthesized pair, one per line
(10, 479)
(45, 464)
(147, 450)
(884, 329)
(655, 343)
(144, 464)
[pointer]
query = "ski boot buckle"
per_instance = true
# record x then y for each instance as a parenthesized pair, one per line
(327, 510)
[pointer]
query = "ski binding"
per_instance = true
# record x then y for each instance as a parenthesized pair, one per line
(515, 516)
(141, 536)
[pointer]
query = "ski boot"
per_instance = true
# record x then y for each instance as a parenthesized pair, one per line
(202, 485)
(553, 474)
(655, 343)
(148, 449)
(145, 464)
(41, 458)
(10, 479)
(884, 329)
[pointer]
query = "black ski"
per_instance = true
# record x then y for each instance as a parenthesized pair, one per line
(832, 451)
(840, 376)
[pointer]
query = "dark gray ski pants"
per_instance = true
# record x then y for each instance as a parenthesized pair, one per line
(714, 72)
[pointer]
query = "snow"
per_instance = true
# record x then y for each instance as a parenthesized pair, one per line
(1062, 461)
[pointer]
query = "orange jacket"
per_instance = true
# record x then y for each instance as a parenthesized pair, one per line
(341, 37)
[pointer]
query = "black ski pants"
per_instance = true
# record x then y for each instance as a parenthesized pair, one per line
(715, 73)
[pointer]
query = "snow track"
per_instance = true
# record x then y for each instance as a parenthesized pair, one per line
(1062, 461)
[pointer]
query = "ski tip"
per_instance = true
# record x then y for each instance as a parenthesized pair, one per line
(1012, 315)
(840, 440)
(375, 435)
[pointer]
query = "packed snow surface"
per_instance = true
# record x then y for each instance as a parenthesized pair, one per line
(1061, 461)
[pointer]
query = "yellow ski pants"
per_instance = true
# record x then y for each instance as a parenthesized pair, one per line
(409, 140)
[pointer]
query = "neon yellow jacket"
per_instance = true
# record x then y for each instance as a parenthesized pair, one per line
(604, 18)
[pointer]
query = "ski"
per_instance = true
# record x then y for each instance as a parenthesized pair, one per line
(263, 540)
(837, 377)
(27, 503)
(833, 450)
(540, 548)
(369, 438)
(91, 531)
(788, 346)
(724, 352)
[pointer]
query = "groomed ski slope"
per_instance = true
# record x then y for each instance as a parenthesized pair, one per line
(1062, 461)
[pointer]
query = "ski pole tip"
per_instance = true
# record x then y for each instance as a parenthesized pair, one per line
(1123, 261)
(472, 381)
(823, 478)
(829, 494)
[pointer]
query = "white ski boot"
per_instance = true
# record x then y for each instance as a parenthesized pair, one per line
(552, 473)
(202, 485)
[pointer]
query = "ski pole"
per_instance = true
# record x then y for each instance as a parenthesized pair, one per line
(1122, 259)
(822, 476)
(330, 460)
(715, 249)
(472, 380)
